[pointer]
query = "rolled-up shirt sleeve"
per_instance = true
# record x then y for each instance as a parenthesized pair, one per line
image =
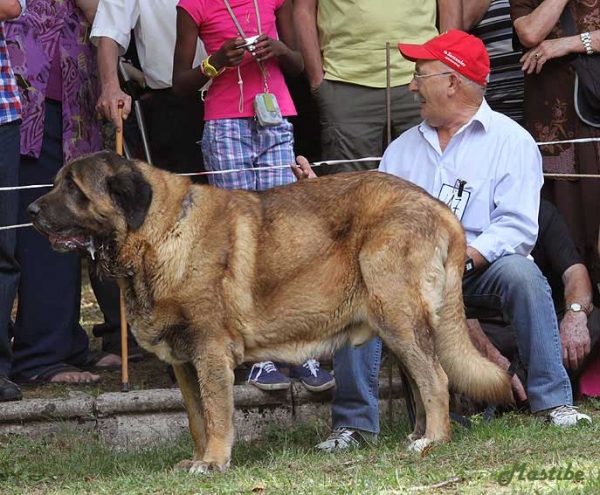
(513, 227)
(115, 19)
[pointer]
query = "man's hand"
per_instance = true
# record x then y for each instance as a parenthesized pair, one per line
(108, 104)
(485, 347)
(303, 170)
(575, 338)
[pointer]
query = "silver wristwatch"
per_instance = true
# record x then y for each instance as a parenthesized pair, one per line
(577, 308)
(586, 39)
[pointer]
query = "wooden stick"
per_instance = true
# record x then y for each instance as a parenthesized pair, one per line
(124, 350)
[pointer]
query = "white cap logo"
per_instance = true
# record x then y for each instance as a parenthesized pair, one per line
(450, 57)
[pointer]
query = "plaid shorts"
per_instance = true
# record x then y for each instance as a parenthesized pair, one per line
(229, 144)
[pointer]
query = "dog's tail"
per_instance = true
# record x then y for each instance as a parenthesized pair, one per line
(468, 371)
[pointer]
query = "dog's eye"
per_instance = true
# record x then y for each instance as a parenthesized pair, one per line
(74, 190)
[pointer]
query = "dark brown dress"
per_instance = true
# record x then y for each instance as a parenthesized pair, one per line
(550, 116)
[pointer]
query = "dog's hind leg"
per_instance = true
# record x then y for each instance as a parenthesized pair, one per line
(401, 312)
(430, 379)
(187, 379)
(420, 418)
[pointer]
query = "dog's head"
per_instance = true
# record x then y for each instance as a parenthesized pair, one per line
(96, 200)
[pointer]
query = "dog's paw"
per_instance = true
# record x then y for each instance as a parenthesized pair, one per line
(184, 465)
(419, 445)
(201, 467)
(414, 436)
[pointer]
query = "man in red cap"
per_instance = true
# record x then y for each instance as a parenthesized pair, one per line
(488, 170)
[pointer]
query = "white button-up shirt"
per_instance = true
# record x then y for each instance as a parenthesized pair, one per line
(154, 23)
(490, 174)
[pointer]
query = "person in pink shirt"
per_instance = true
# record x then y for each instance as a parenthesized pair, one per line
(250, 44)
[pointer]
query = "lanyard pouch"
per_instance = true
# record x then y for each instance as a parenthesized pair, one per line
(267, 110)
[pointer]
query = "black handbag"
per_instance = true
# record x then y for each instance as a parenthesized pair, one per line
(587, 77)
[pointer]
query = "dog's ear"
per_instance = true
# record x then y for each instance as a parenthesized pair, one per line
(132, 194)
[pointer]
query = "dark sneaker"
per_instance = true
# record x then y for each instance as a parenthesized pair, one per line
(9, 390)
(346, 438)
(266, 376)
(312, 376)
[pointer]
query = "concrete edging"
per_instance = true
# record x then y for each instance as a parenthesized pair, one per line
(147, 417)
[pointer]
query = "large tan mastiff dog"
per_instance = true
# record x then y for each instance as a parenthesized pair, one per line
(213, 278)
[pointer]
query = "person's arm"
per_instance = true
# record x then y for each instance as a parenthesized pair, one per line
(574, 332)
(450, 14)
(473, 12)
(534, 27)
(513, 224)
(305, 20)
(9, 9)
(557, 249)
(186, 77)
(111, 93)
(89, 8)
(111, 33)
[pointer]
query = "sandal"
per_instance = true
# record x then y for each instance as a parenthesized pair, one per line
(94, 357)
(46, 376)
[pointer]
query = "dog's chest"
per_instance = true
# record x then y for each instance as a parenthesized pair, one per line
(160, 347)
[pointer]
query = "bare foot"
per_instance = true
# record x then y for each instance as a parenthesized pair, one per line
(75, 377)
(72, 376)
(109, 361)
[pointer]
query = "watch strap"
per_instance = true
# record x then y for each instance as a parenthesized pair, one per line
(210, 70)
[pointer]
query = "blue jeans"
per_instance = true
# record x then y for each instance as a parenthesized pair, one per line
(47, 329)
(9, 268)
(516, 286)
(512, 284)
(356, 398)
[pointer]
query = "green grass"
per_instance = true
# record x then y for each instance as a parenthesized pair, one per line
(285, 462)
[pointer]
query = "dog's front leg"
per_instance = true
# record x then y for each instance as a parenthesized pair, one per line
(215, 377)
(187, 379)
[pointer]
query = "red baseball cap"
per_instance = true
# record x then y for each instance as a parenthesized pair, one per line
(460, 51)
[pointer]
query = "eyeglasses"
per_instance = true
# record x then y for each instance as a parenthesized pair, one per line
(418, 77)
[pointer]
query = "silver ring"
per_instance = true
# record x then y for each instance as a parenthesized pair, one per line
(536, 56)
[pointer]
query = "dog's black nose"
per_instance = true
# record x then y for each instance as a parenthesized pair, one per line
(33, 209)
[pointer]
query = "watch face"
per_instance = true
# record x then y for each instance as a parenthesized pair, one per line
(576, 307)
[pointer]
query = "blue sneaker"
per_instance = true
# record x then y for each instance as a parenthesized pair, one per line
(266, 376)
(313, 377)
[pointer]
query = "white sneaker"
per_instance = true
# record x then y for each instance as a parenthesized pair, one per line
(565, 416)
(346, 438)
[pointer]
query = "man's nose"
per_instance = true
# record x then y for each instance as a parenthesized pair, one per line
(33, 209)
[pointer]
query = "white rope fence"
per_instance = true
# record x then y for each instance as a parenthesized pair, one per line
(318, 164)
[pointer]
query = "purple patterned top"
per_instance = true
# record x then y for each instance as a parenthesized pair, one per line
(49, 25)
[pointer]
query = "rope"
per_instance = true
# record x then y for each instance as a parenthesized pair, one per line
(8, 227)
(318, 164)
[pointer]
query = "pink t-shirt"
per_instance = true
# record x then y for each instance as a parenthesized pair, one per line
(215, 26)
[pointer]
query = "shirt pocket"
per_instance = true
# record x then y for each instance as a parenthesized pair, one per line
(476, 215)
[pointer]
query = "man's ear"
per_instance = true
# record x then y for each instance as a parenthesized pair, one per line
(454, 83)
(132, 194)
